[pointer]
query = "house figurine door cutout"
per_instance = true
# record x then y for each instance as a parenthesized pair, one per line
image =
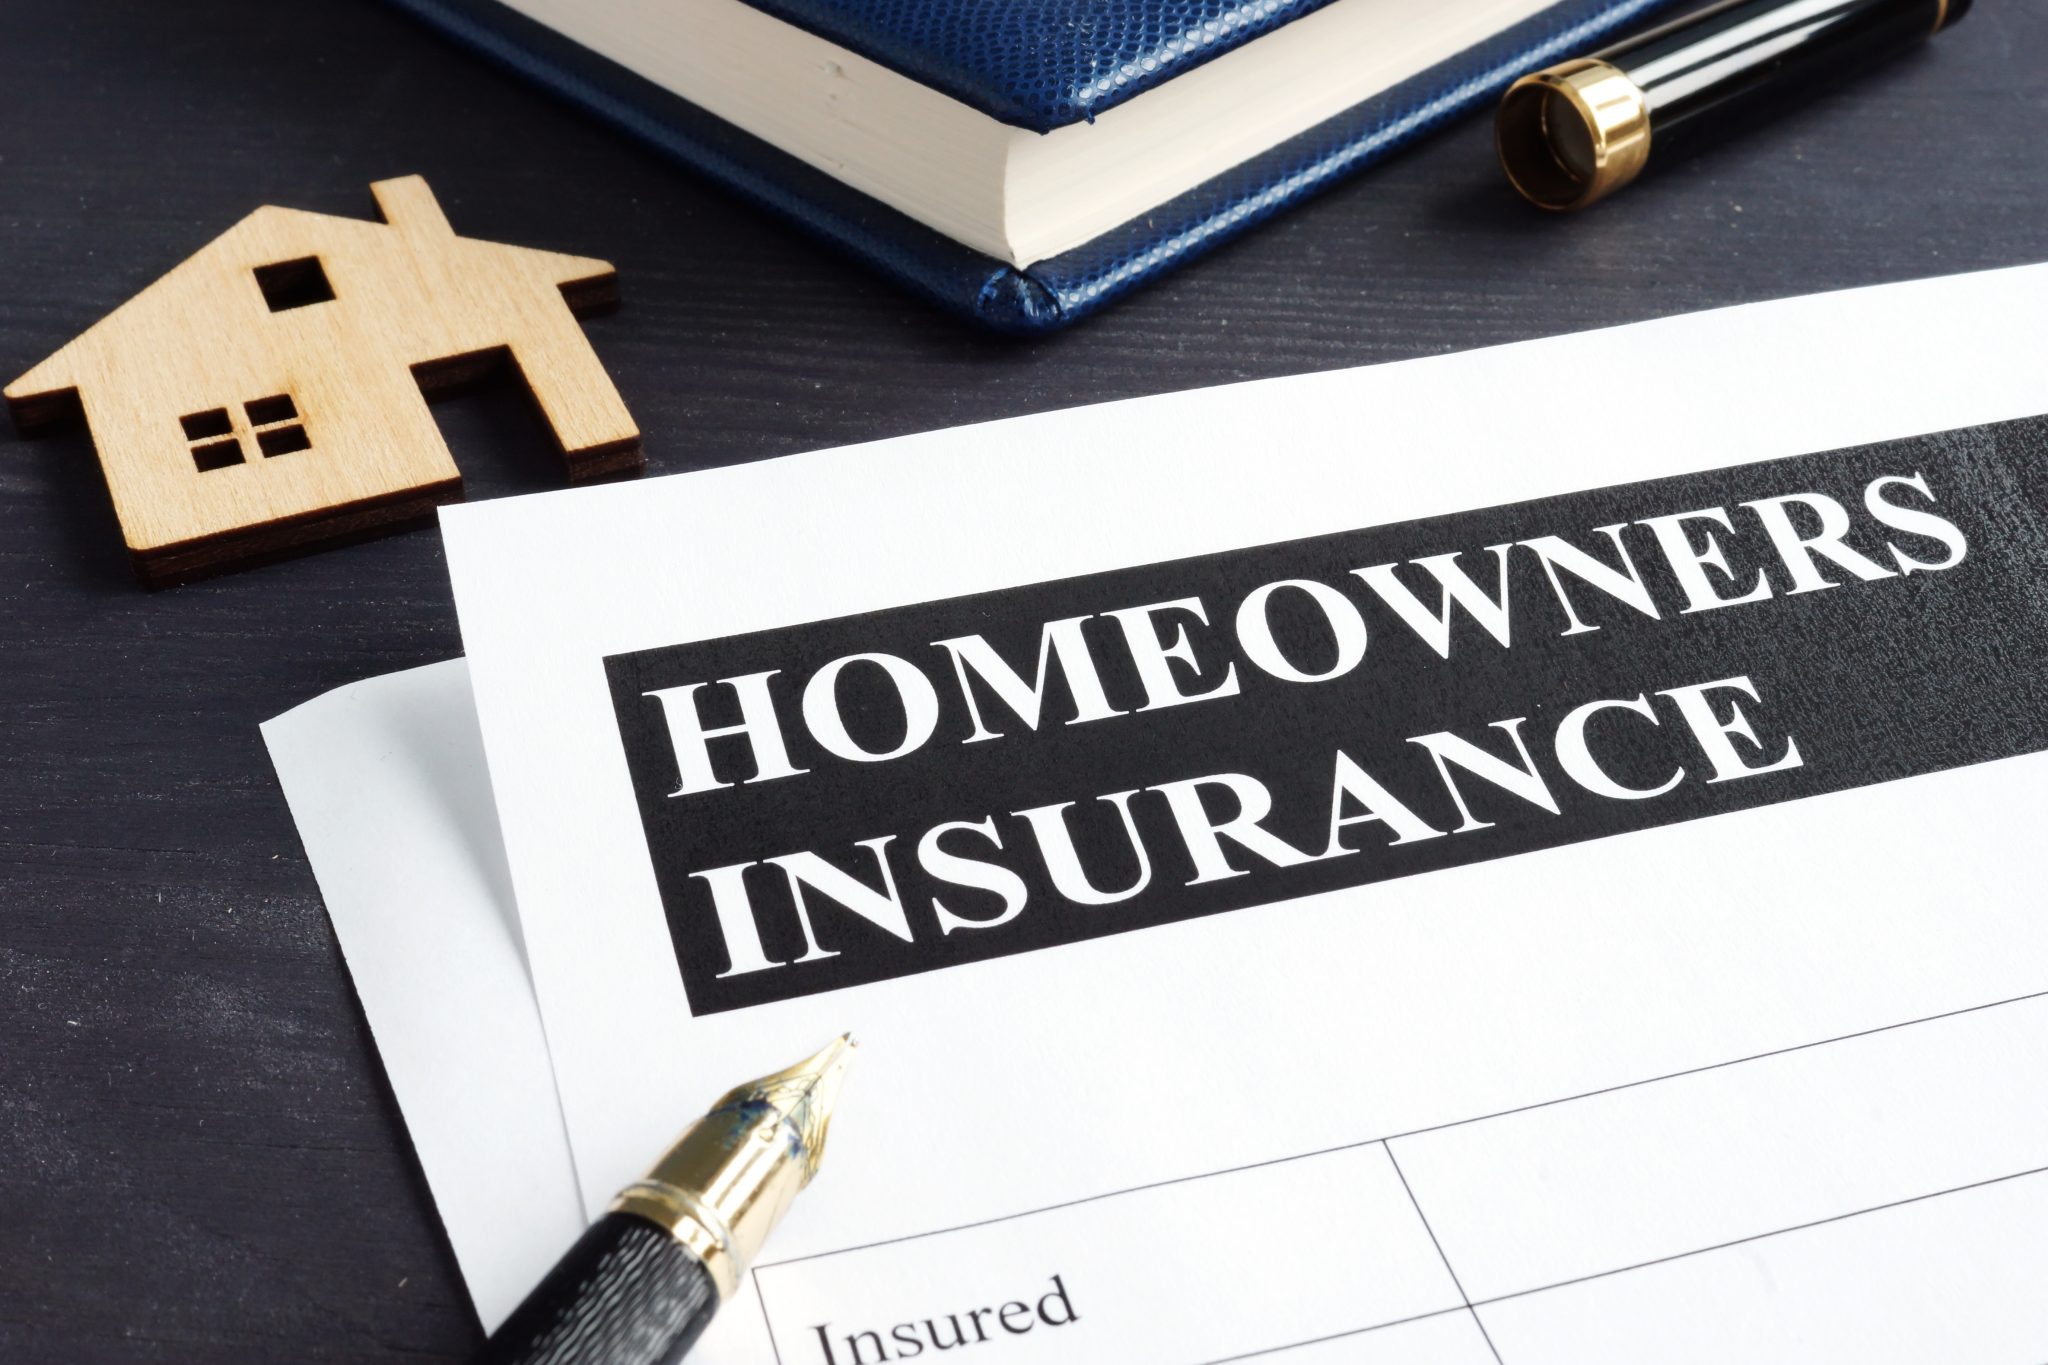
(269, 394)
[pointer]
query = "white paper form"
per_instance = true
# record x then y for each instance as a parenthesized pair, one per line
(1099, 1069)
(388, 775)
(388, 787)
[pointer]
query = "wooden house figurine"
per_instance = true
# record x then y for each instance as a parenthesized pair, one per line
(269, 393)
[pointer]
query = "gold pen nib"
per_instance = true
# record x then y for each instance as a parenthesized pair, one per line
(804, 1094)
(731, 1176)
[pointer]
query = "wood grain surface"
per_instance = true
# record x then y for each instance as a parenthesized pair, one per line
(199, 1158)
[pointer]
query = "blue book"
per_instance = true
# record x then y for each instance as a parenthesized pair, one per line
(1025, 162)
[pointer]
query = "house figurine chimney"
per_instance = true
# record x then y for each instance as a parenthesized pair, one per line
(409, 206)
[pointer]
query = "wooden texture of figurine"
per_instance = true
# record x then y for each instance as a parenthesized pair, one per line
(269, 392)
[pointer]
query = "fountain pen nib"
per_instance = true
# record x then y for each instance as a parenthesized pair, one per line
(804, 1095)
(730, 1177)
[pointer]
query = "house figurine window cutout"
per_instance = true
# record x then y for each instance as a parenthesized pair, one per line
(269, 394)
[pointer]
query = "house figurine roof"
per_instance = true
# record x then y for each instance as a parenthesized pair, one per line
(269, 393)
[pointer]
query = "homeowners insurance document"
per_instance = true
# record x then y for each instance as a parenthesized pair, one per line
(1416, 863)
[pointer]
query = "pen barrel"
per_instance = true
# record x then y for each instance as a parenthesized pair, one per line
(628, 1293)
(1574, 133)
(1732, 63)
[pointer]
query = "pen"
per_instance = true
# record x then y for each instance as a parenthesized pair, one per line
(641, 1284)
(1577, 132)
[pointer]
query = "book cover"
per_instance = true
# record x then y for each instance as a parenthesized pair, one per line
(1039, 66)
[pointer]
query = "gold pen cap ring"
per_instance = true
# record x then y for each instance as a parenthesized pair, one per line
(1573, 134)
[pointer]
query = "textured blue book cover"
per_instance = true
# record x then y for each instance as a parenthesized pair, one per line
(1037, 64)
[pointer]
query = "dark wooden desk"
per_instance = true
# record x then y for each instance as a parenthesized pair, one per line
(201, 1160)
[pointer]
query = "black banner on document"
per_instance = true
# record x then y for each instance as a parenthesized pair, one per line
(852, 800)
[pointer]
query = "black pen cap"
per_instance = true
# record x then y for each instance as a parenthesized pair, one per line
(1575, 133)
